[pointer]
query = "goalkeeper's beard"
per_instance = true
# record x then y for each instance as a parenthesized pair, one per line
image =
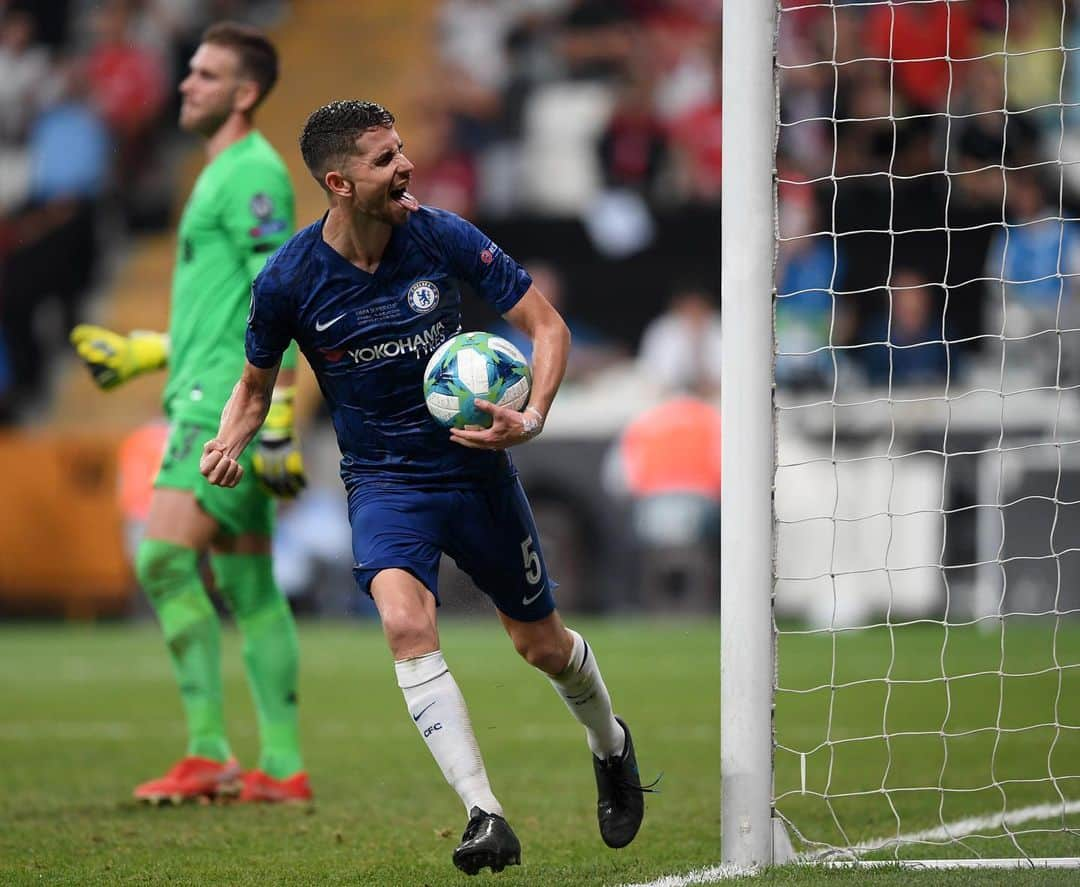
(205, 125)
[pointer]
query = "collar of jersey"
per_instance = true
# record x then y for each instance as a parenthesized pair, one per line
(237, 146)
(388, 260)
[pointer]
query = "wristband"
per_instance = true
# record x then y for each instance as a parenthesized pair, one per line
(531, 426)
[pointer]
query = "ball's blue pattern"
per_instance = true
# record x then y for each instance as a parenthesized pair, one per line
(472, 365)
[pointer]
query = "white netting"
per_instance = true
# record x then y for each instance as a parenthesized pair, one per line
(928, 425)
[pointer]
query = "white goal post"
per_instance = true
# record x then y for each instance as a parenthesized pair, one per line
(900, 585)
(746, 633)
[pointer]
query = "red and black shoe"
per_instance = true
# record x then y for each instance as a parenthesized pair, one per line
(258, 787)
(192, 778)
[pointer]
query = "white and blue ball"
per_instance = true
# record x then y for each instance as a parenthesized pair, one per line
(473, 366)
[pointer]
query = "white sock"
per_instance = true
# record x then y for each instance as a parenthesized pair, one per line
(582, 689)
(438, 710)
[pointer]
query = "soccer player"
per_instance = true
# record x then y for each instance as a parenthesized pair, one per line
(241, 209)
(368, 292)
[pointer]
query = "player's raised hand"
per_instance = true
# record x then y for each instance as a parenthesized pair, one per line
(113, 358)
(508, 427)
(278, 461)
(218, 467)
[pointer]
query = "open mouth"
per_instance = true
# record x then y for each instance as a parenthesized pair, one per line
(404, 198)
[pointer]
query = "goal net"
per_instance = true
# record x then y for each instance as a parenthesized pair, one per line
(924, 567)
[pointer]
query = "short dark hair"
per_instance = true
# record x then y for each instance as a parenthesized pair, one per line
(258, 57)
(330, 133)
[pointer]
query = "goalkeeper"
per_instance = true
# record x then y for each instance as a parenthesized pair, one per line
(241, 210)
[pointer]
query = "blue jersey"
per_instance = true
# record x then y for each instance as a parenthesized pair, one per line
(368, 338)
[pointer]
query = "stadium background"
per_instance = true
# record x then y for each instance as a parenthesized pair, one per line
(584, 136)
(518, 116)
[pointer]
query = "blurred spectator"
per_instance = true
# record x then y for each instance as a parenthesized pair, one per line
(52, 19)
(919, 38)
(680, 349)
(1033, 263)
(597, 39)
(667, 463)
(473, 37)
(58, 219)
(632, 145)
(681, 47)
(57, 172)
(697, 142)
(1035, 254)
(1033, 40)
(446, 173)
(985, 136)
(866, 134)
(913, 349)
(7, 385)
(805, 90)
(590, 350)
(810, 321)
(77, 78)
(127, 84)
(26, 77)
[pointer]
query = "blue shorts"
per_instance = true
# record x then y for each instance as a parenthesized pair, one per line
(488, 531)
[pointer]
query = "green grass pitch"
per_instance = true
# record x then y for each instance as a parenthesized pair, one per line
(87, 711)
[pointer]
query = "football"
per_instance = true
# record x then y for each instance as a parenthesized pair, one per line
(474, 365)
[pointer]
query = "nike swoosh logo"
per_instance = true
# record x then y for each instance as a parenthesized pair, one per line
(319, 327)
(420, 714)
(528, 600)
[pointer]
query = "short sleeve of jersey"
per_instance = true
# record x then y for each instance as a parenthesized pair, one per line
(496, 277)
(258, 212)
(269, 330)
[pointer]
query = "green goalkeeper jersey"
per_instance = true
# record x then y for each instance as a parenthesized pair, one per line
(241, 209)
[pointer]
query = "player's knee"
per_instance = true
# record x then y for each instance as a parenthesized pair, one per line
(163, 569)
(409, 634)
(246, 583)
(543, 653)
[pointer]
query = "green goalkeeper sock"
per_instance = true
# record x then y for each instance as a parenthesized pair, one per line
(271, 655)
(169, 574)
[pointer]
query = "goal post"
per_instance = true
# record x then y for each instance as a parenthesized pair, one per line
(900, 584)
(746, 633)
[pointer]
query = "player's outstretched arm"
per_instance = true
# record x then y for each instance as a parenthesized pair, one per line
(241, 419)
(113, 358)
(278, 462)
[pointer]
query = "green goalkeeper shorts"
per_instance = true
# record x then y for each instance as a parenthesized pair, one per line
(245, 508)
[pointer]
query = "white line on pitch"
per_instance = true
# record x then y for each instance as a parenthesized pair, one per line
(700, 876)
(964, 827)
(957, 829)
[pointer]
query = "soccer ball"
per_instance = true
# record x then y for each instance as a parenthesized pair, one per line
(470, 366)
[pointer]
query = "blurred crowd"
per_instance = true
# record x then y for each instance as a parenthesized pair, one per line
(925, 203)
(87, 126)
(552, 105)
(927, 206)
(928, 184)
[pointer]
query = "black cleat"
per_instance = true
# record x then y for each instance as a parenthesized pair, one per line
(488, 841)
(620, 804)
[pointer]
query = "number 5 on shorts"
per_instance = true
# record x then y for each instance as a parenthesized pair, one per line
(532, 561)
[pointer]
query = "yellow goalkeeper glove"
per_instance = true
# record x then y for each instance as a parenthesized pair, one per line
(278, 462)
(113, 359)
